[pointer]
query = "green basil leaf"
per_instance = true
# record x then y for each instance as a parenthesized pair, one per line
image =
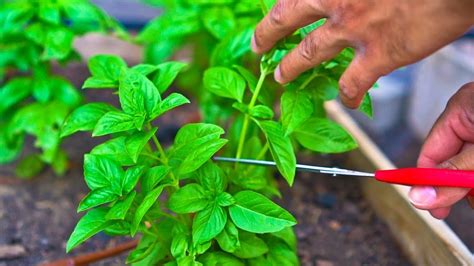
(218, 258)
(288, 236)
(137, 142)
(281, 149)
(241, 107)
(219, 21)
(153, 177)
(324, 88)
(251, 246)
(262, 112)
(99, 83)
(90, 224)
(366, 106)
(101, 171)
(224, 82)
(188, 199)
(225, 199)
(208, 223)
(191, 132)
(255, 213)
(114, 149)
(296, 108)
(232, 48)
(280, 253)
(145, 69)
(186, 261)
(149, 200)
(202, 248)
(264, 96)
(120, 208)
(97, 197)
(30, 166)
(194, 145)
(84, 118)
(58, 43)
(13, 92)
(167, 73)
(64, 91)
(131, 177)
(114, 122)
(228, 239)
(172, 101)
(137, 94)
(179, 246)
(60, 163)
(49, 12)
(323, 135)
(107, 68)
(148, 252)
(211, 178)
(192, 156)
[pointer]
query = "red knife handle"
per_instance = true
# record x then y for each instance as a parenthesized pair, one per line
(428, 177)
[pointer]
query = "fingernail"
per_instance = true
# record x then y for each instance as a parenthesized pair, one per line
(277, 75)
(254, 44)
(422, 196)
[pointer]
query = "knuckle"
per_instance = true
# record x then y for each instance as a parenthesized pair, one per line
(307, 49)
(277, 14)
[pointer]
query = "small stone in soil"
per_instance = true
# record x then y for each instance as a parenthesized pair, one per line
(334, 225)
(324, 263)
(12, 251)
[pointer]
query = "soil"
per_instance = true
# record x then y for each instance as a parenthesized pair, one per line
(336, 225)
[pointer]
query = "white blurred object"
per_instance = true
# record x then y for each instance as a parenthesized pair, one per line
(387, 101)
(436, 79)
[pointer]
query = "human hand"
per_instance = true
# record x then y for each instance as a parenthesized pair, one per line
(450, 144)
(386, 34)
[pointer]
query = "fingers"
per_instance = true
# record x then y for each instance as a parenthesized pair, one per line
(285, 17)
(320, 45)
(358, 78)
(439, 200)
(440, 213)
(436, 199)
(454, 128)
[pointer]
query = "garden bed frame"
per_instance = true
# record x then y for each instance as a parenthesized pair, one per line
(425, 240)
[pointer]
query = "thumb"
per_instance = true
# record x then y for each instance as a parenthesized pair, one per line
(438, 200)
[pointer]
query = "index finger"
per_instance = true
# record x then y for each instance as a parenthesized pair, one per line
(285, 17)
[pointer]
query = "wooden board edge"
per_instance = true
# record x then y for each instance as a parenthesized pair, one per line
(425, 240)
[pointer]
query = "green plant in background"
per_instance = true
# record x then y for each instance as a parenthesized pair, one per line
(189, 210)
(212, 33)
(33, 101)
(218, 33)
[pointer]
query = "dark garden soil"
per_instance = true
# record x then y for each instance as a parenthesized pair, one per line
(336, 225)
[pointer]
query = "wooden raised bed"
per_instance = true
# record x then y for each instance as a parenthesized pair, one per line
(425, 240)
